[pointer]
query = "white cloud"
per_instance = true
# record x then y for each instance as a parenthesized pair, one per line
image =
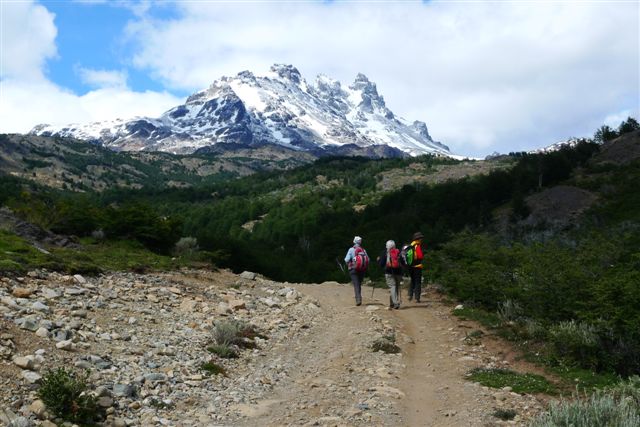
(484, 76)
(28, 35)
(27, 98)
(25, 104)
(103, 78)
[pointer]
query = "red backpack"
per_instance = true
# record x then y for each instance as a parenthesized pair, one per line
(361, 260)
(393, 260)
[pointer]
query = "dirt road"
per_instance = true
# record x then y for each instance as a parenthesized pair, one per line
(338, 380)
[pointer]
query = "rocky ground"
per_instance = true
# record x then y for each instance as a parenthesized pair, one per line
(143, 340)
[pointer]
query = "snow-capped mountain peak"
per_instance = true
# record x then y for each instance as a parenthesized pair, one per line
(279, 107)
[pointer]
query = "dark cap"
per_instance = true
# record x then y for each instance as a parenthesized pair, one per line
(417, 236)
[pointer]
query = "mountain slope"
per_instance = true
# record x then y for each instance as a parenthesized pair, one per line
(76, 165)
(279, 108)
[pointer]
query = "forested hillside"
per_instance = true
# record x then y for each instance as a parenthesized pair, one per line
(571, 280)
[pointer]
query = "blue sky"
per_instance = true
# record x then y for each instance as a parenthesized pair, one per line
(484, 76)
(92, 36)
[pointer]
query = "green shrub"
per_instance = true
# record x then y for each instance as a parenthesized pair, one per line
(223, 351)
(615, 407)
(509, 311)
(505, 414)
(576, 341)
(236, 332)
(186, 246)
(226, 333)
(520, 383)
(212, 368)
(66, 394)
(532, 329)
(473, 337)
(9, 266)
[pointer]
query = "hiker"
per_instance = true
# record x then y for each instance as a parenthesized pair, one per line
(414, 260)
(357, 261)
(391, 261)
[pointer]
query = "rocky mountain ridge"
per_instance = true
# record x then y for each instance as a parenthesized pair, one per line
(280, 108)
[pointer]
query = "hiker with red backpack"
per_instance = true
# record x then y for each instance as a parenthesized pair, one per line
(391, 260)
(357, 261)
(414, 256)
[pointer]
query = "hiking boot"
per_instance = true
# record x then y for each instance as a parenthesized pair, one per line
(358, 302)
(397, 306)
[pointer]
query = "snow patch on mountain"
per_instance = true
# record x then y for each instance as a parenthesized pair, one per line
(279, 107)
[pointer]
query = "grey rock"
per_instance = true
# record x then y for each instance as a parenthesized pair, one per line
(124, 390)
(103, 365)
(271, 302)
(28, 324)
(31, 377)
(75, 291)
(39, 306)
(10, 302)
(105, 402)
(47, 324)
(65, 345)
(24, 362)
(50, 293)
(79, 313)
(75, 324)
(155, 377)
(79, 279)
(83, 364)
(21, 422)
(248, 275)
(38, 408)
(61, 335)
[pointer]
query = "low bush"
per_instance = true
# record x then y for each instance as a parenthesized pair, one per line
(505, 414)
(186, 246)
(9, 266)
(614, 407)
(473, 337)
(576, 341)
(386, 344)
(212, 368)
(66, 394)
(509, 311)
(226, 333)
(224, 351)
(236, 333)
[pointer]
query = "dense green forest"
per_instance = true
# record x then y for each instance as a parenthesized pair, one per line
(573, 290)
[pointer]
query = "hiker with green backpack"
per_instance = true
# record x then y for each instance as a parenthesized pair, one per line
(414, 256)
(357, 262)
(391, 261)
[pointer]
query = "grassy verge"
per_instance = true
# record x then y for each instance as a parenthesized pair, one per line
(520, 383)
(536, 350)
(573, 378)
